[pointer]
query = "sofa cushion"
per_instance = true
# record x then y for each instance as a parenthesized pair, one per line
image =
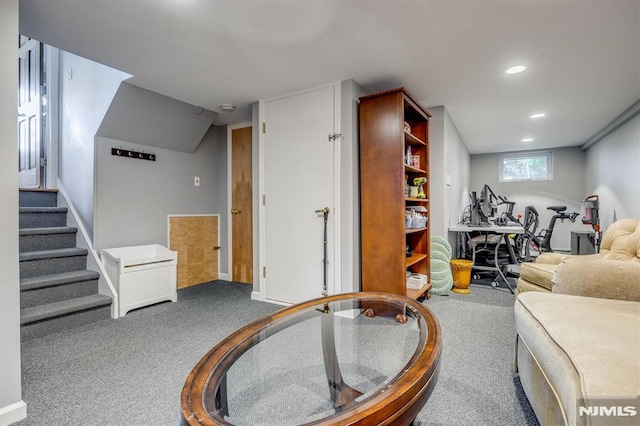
(587, 347)
(539, 274)
(622, 241)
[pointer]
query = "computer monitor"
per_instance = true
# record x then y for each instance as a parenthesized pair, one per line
(488, 209)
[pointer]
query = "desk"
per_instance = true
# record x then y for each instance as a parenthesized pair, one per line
(464, 231)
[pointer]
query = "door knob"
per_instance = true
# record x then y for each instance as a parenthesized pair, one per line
(235, 211)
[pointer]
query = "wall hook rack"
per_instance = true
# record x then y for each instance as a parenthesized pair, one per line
(133, 154)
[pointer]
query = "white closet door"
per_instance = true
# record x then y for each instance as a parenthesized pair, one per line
(299, 179)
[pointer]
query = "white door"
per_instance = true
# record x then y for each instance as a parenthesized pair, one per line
(30, 171)
(299, 178)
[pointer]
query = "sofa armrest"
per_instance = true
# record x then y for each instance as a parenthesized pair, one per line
(594, 277)
(552, 258)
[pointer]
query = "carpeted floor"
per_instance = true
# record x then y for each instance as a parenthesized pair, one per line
(131, 370)
(476, 384)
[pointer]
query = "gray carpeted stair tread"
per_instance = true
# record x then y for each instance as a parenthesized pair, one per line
(49, 230)
(43, 210)
(52, 310)
(52, 254)
(38, 197)
(34, 283)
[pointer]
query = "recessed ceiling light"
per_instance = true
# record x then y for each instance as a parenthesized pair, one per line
(538, 115)
(227, 107)
(527, 140)
(516, 69)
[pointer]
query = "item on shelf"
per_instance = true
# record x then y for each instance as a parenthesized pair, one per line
(416, 280)
(413, 192)
(420, 181)
(415, 161)
(415, 217)
(407, 188)
(407, 128)
(408, 159)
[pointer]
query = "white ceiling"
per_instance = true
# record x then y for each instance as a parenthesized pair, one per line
(582, 56)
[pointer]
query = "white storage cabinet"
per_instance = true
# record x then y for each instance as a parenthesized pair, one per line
(142, 275)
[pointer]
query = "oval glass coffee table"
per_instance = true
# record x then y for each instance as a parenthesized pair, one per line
(359, 358)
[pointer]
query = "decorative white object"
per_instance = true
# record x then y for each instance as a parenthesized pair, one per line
(142, 275)
(416, 280)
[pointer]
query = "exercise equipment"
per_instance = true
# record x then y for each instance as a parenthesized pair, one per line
(591, 216)
(523, 241)
(542, 241)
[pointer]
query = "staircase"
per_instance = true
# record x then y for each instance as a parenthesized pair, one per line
(57, 292)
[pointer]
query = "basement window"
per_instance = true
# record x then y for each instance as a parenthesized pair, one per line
(527, 166)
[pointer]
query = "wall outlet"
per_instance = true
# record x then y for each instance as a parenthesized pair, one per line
(196, 181)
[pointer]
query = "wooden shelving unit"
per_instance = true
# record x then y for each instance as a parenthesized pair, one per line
(384, 140)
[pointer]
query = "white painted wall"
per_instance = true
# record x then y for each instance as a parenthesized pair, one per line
(567, 188)
(613, 173)
(219, 136)
(257, 197)
(86, 91)
(134, 197)
(350, 93)
(12, 408)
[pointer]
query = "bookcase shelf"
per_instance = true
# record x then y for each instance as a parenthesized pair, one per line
(391, 124)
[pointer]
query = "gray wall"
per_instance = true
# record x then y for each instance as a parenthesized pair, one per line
(134, 197)
(613, 173)
(457, 171)
(437, 148)
(11, 389)
(449, 157)
(86, 91)
(148, 118)
(567, 188)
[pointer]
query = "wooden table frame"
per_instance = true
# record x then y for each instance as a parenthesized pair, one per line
(399, 404)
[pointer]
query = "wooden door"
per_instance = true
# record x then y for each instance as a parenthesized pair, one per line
(195, 238)
(299, 176)
(30, 172)
(241, 206)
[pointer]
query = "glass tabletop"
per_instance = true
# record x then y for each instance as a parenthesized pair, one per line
(315, 361)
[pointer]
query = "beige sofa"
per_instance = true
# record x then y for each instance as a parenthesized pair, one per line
(620, 242)
(579, 336)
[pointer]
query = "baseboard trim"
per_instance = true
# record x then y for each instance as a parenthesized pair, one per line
(224, 277)
(255, 295)
(13, 413)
